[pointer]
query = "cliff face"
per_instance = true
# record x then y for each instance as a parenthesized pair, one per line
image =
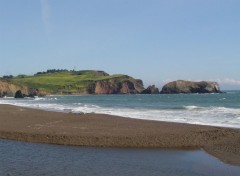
(18, 91)
(121, 85)
(182, 86)
(9, 89)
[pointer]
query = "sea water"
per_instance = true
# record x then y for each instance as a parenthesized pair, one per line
(27, 159)
(205, 109)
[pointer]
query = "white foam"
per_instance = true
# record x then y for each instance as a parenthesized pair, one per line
(214, 116)
(192, 107)
(38, 98)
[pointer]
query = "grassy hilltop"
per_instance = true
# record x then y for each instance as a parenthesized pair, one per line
(71, 82)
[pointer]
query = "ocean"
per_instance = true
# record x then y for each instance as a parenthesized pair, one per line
(204, 109)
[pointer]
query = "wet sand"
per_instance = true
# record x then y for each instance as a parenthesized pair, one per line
(100, 130)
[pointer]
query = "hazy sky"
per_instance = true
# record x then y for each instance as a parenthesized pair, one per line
(154, 40)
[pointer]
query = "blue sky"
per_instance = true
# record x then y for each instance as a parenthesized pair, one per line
(154, 40)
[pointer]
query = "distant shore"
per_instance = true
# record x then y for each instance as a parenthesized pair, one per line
(100, 130)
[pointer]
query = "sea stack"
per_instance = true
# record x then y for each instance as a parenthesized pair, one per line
(152, 89)
(187, 87)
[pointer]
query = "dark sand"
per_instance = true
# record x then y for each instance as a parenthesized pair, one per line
(111, 131)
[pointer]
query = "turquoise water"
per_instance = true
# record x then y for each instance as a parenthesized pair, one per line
(27, 159)
(207, 109)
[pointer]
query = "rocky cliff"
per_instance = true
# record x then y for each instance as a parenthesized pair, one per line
(182, 86)
(18, 91)
(120, 85)
(9, 89)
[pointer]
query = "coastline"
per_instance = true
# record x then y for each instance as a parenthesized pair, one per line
(99, 130)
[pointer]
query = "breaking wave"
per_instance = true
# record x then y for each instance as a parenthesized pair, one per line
(213, 114)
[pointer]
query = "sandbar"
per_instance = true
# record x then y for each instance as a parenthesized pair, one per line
(100, 130)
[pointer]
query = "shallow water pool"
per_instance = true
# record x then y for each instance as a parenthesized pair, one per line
(28, 159)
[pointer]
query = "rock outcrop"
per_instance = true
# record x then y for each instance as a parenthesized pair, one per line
(100, 73)
(19, 94)
(122, 85)
(151, 90)
(35, 92)
(182, 86)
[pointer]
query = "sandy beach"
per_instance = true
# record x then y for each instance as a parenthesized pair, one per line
(100, 130)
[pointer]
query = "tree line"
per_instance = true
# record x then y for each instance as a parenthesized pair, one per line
(52, 71)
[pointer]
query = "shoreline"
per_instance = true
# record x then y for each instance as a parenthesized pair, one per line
(100, 130)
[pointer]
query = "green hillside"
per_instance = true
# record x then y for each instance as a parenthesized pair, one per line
(64, 81)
